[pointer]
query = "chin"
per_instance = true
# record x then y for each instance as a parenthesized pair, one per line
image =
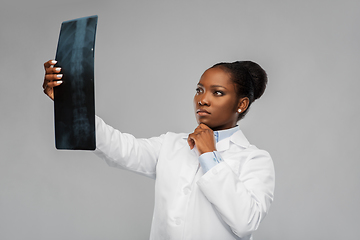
(207, 124)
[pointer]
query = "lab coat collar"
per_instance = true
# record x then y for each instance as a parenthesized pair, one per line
(238, 138)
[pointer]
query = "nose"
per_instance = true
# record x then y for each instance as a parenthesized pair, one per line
(204, 100)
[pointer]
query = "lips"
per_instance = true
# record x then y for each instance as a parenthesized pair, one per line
(202, 112)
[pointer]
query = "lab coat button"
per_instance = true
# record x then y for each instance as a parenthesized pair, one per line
(186, 191)
(178, 221)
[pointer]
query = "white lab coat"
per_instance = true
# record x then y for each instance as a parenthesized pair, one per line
(228, 202)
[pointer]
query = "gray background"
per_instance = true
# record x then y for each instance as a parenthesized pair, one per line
(149, 57)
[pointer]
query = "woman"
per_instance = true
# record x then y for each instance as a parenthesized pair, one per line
(212, 183)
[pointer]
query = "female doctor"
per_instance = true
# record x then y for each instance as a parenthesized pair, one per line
(211, 183)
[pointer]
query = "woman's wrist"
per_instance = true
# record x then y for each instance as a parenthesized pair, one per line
(209, 160)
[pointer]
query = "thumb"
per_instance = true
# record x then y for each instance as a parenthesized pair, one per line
(191, 142)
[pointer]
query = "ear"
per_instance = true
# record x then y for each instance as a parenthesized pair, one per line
(243, 104)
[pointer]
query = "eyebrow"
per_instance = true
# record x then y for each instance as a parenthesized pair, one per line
(199, 84)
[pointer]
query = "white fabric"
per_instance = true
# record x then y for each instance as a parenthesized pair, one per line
(228, 202)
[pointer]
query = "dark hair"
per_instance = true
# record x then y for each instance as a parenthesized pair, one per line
(249, 78)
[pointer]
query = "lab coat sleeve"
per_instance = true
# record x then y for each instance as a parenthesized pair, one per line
(242, 200)
(124, 151)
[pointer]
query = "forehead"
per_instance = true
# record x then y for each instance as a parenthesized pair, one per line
(216, 77)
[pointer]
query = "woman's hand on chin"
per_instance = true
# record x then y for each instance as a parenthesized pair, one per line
(203, 138)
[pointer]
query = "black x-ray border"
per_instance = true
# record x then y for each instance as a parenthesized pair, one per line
(74, 100)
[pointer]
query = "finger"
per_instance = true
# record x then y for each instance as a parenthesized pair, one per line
(53, 77)
(52, 70)
(200, 130)
(51, 84)
(50, 78)
(203, 126)
(49, 63)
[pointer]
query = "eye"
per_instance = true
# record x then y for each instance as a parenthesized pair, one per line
(198, 90)
(218, 93)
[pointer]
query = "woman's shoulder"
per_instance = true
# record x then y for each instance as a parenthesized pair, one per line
(176, 136)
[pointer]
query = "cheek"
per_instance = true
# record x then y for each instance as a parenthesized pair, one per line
(195, 101)
(226, 108)
(229, 111)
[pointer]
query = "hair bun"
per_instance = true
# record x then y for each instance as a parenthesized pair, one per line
(249, 78)
(258, 77)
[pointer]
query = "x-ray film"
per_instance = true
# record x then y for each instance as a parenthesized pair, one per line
(74, 101)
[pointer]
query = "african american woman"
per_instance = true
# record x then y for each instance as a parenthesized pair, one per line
(211, 183)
